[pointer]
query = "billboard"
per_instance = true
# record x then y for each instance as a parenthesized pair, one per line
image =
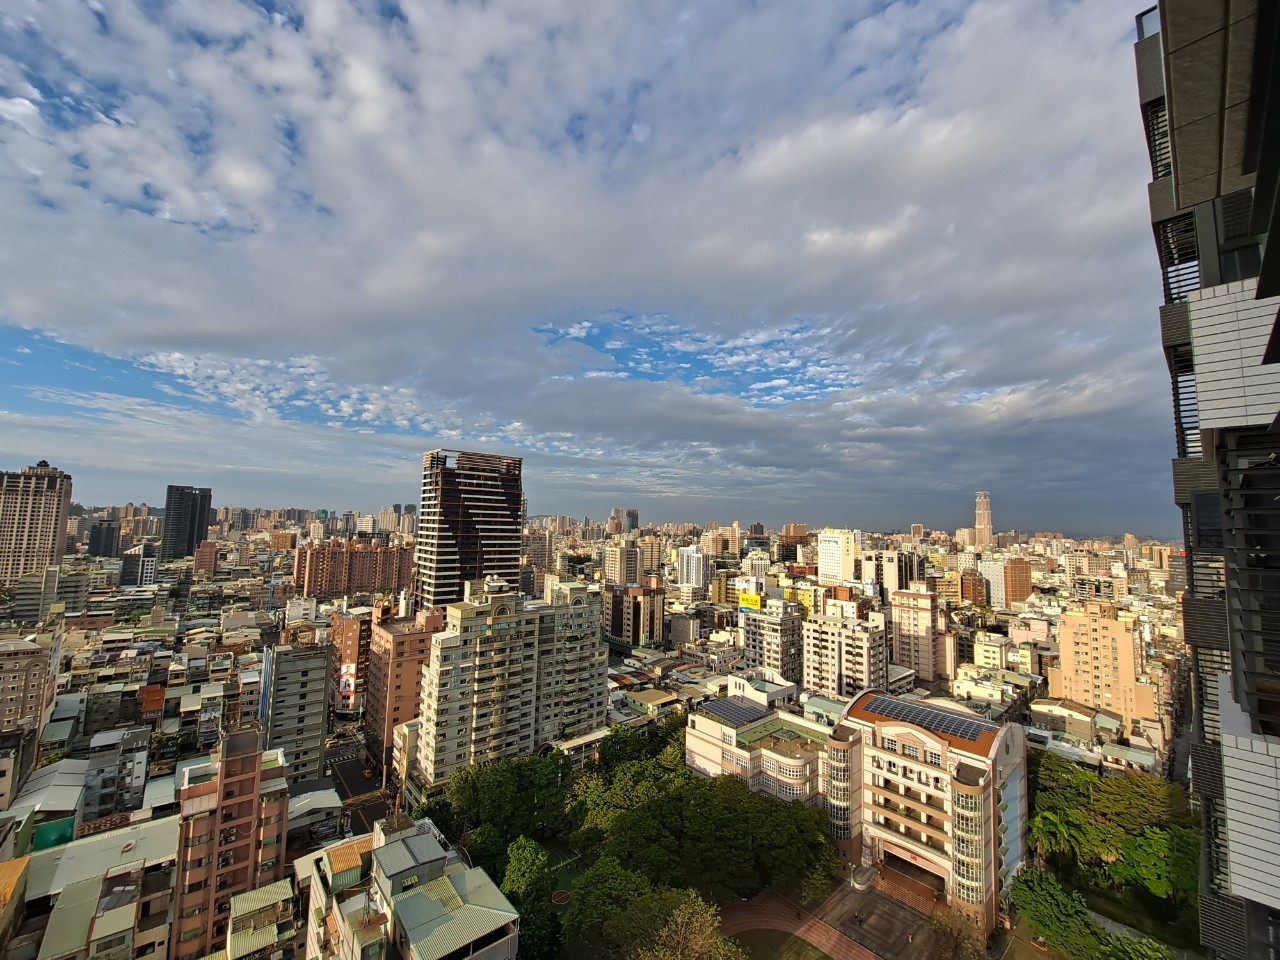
(748, 601)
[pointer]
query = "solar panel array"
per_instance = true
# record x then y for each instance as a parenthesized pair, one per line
(735, 711)
(931, 718)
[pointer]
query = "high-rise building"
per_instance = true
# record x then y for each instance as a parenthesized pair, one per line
(186, 521)
(327, 569)
(469, 524)
(1209, 91)
(843, 655)
(621, 564)
(350, 631)
(772, 637)
(234, 813)
(104, 538)
(693, 568)
(982, 533)
(1017, 579)
(297, 692)
(398, 650)
(917, 639)
(508, 677)
(633, 614)
(35, 503)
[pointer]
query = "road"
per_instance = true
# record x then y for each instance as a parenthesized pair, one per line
(360, 796)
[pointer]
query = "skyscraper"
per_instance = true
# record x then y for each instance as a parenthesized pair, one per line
(982, 535)
(469, 525)
(1209, 89)
(34, 505)
(186, 521)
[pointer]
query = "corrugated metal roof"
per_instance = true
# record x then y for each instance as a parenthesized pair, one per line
(244, 942)
(52, 870)
(11, 873)
(68, 928)
(394, 858)
(463, 926)
(259, 897)
(348, 856)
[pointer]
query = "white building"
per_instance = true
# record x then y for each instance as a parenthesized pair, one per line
(843, 655)
(837, 551)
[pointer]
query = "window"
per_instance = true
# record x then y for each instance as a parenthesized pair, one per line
(934, 759)
(889, 744)
(909, 751)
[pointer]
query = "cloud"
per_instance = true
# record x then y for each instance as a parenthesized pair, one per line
(620, 240)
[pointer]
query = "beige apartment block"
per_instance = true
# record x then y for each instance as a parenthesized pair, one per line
(34, 505)
(24, 674)
(508, 676)
(843, 655)
(917, 637)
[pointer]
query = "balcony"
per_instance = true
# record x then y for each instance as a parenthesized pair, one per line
(932, 830)
(925, 845)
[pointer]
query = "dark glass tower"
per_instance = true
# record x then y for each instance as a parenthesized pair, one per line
(469, 524)
(186, 521)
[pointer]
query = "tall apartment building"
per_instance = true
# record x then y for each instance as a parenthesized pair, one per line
(537, 559)
(983, 536)
(633, 615)
(297, 691)
(116, 777)
(350, 631)
(1101, 663)
(992, 571)
(621, 564)
(918, 639)
(186, 521)
(469, 523)
(905, 784)
(693, 568)
(328, 569)
(24, 677)
(508, 677)
(843, 655)
(772, 637)
(1209, 90)
(837, 555)
(104, 538)
(398, 650)
(231, 838)
(35, 503)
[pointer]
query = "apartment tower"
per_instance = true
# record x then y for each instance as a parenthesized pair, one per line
(234, 813)
(35, 503)
(469, 526)
(1209, 89)
(186, 521)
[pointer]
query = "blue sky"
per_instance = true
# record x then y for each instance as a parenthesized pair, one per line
(714, 261)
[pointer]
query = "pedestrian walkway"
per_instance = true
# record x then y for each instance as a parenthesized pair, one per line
(916, 895)
(768, 911)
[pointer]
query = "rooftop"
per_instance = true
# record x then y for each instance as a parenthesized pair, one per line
(149, 841)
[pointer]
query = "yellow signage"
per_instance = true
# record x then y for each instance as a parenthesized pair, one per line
(748, 601)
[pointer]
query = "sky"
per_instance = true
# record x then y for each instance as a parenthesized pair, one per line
(711, 260)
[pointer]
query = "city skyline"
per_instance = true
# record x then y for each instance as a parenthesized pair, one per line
(838, 280)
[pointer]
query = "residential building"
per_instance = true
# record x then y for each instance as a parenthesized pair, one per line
(35, 503)
(350, 632)
(399, 649)
(621, 564)
(773, 638)
(24, 678)
(297, 691)
(1209, 90)
(633, 615)
(469, 523)
(327, 569)
(35, 593)
(918, 638)
(844, 655)
(1017, 580)
(104, 538)
(507, 677)
(234, 817)
(404, 892)
(186, 521)
(1101, 663)
(116, 778)
(993, 572)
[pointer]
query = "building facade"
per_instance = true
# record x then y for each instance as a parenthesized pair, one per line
(773, 638)
(297, 685)
(186, 521)
(508, 677)
(469, 524)
(35, 503)
(330, 569)
(844, 655)
(24, 678)
(231, 838)
(917, 637)
(399, 648)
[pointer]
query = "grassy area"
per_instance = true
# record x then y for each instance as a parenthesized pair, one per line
(567, 867)
(777, 945)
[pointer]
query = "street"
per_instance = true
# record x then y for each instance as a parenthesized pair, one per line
(360, 796)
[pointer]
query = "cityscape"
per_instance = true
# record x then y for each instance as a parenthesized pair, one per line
(812, 645)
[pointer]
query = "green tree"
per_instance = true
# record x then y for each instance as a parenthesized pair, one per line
(602, 893)
(439, 811)
(691, 933)
(528, 879)
(1125, 948)
(1060, 917)
(488, 849)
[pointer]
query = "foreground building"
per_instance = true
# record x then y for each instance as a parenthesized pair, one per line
(1209, 88)
(404, 892)
(933, 792)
